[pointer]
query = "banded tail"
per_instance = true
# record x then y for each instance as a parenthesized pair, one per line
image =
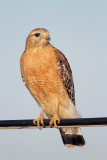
(72, 137)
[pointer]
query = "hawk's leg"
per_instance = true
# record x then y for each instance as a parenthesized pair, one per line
(55, 118)
(40, 119)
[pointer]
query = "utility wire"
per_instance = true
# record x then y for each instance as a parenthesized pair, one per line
(80, 122)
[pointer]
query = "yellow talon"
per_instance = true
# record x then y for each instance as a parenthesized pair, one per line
(39, 120)
(54, 119)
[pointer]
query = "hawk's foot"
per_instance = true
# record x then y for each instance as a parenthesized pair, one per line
(39, 120)
(54, 119)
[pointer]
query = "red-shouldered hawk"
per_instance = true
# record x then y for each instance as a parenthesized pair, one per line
(48, 76)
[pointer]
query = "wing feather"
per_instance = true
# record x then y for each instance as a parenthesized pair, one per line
(66, 74)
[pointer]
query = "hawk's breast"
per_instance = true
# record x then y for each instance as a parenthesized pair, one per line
(42, 78)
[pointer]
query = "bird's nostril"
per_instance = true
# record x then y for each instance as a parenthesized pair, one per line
(46, 34)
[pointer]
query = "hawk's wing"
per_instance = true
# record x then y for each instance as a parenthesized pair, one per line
(66, 74)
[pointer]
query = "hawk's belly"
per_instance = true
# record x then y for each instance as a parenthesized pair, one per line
(45, 85)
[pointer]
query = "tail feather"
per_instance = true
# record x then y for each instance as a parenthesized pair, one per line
(72, 139)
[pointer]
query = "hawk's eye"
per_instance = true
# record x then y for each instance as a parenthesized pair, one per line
(37, 34)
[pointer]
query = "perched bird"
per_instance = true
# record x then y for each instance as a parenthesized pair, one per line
(48, 76)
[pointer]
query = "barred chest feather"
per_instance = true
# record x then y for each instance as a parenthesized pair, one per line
(41, 76)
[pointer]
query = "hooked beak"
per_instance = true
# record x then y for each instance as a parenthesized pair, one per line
(46, 36)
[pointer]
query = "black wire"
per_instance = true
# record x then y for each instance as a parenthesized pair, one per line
(63, 122)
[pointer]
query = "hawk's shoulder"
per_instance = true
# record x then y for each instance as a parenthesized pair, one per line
(65, 73)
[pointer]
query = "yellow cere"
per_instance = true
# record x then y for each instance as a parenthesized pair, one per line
(46, 34)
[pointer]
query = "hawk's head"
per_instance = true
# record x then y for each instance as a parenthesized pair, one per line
(39, 36)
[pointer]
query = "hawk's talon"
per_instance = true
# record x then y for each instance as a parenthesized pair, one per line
(39, 120)
(54, 119)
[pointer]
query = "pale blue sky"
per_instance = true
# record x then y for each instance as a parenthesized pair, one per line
(79, 30)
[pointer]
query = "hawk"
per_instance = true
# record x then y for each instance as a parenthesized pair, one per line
(48, 76)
